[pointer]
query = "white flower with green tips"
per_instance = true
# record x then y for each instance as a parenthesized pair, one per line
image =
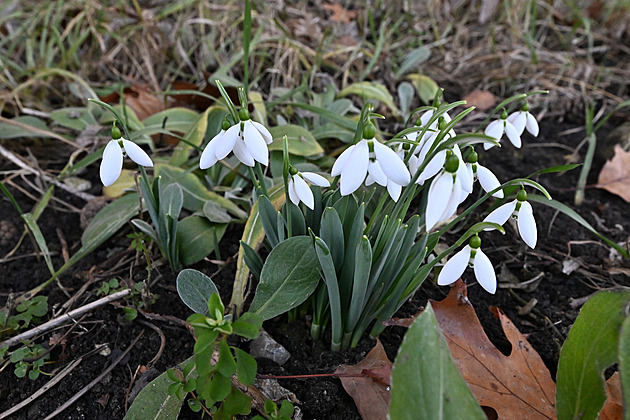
(111, 165)
(470, 256)
(486, 178)
(522, 120)
(299, 189)
(521, 210)
(497, 128)
(247, 139)
(370, 161)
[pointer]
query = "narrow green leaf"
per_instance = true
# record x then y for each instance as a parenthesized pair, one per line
(197, 238)
(331, 232)
(252, 259)
(332, 286)
(301, 141)
(216, 213)
(362, 265)
(111, 218)
(268, 217)
(413, 59)
(39, 239)
(425, 381)
(77, 118)
(288, 278)
(171, 200)
(26, 126)
(195, 289)
(154, 401)
(589, 350)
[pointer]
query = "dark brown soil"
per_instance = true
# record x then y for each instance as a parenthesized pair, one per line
(559, 239)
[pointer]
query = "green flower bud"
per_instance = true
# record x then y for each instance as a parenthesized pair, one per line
(116, 134)
(243, 114)
(369, 131)
(226, 124)
(504, 115)
(522, 195)
(475, 242)
(525, 107)
(452, 163)
(292, 170)
(442, 124)
(473, 157)
(418, 122)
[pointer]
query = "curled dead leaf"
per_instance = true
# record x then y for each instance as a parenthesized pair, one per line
(615, 175)
(481, 99)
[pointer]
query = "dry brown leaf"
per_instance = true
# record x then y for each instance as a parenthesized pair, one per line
(339, 14)
(613, 407)
(140, 99)
(615, 175)
(517, 386)
(481, 99)
(370, 388)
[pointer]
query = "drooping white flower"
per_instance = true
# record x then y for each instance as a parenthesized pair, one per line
(471, 255)
(496, 129)
(370, 161)
(299, 189)
(523, 119)
(443, 198)
(247, 139)
(521, 210)
(111, 165)
(486, 178)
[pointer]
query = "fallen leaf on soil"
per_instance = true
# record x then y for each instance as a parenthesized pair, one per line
(613, 407)
(339, 13)
(481, 99)
(139, 99)
(517, 386)
(615, 175)
(370, 388)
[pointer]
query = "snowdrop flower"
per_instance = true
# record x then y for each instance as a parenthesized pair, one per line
(471, 255)
(523, 119)
(496, 129)
(446, 191)
(111, 165)
(372, 159)
(522, 211)
(299, 189)
(482, 174)
(247, 139)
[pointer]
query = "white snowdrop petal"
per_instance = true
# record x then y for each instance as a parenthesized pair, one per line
(438, 198)
(532, 125)
(465, 180)
(255, 143)
(453, 201)
(340, 163)
(225, 141)
(315, 179)
(501, 214)
(263, 131)
(303, 191)
(494, 130)
(355, 169)
(369, 180)
(455, 267)
(484, 272)
(413, 164)
(242, 153)
(424, 118)
(376, 173)
(391, 164)
(512, 134)
(293, 196)
(433, 167)
(518, 120)
(111, 165)
(527, 225)
(394, 190)
(136, 154)
(208, 156)
(488, 181)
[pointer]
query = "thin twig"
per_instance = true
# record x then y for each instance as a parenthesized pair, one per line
(43, 389)
(89, 386)
(69, 317)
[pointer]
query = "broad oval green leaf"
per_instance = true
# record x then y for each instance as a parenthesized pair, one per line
(195, 289)
(176, 119)
(288, 278)
(197, 237)
(426, 88)
(154, 401)
(589, 350)
(301, 141)
(77, 118)
(425, 381)
(371, 90)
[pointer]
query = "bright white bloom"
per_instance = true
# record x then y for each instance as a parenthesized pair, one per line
(111, 165)
(248, 140)
(475, 258)
(482, 174)
(523, 119)
(374, 161)
(444, 195)
(299, 189)
(520, 210)
(496, 129)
